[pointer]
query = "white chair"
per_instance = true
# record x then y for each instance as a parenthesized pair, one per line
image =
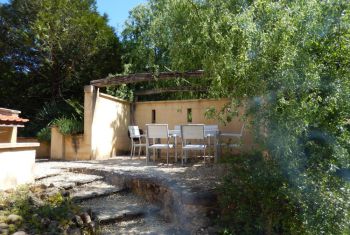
(136, 140)
(155, 132)
(212, 132)
(238, 136)
(192, 132)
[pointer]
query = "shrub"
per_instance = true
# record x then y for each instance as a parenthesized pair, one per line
(259, 197)
(69, 126)
(44, 134)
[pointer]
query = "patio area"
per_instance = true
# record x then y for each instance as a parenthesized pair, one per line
(197, 175)
(186, 197)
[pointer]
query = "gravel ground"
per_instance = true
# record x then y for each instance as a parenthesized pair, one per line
(195, 175)
(68, 179)
(118, 205)
(152, 224)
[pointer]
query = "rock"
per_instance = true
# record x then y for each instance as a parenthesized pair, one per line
(14, 219)
(3, 218)
(45, 222)
(43, 196)
(92, 227)
(50, 192)
(4, 226)
(51, 185)
(79, 222)
(4, 231)
(20, 233)
(74, 231)
(86, 218)
(65, 193)
(34, 200)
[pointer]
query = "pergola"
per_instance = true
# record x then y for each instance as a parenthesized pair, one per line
(144, 77)
(116, 80)
(149, 77)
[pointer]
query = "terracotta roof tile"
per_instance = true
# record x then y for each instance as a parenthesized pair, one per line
(12, 118)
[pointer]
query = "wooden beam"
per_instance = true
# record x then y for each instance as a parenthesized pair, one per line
(168, 90)
(144, 77)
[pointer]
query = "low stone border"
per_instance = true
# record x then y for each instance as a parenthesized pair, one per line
(192, 209)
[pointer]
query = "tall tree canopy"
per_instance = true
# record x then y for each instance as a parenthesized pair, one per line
(51, 49)
(290, 61)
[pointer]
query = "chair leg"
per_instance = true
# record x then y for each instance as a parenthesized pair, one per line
(139, 151)
(175, 145)
(132, 146)
(167, 156)
(182, 157)
(154, 154)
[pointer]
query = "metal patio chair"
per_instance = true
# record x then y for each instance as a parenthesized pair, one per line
(192, 132)
(157, 132)
(136, 140)
(237, 135)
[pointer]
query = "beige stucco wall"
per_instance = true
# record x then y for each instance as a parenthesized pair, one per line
(43, 151)
(110, 127)
(17, 162)
(8, 134)
(175, 113)
(106, 121)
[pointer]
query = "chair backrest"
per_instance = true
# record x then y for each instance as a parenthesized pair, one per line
(134, 131)
(177, 128)
(192, 131)
(211, 129)
(155, 131)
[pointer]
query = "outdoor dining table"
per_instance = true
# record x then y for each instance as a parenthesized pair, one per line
(208, 134)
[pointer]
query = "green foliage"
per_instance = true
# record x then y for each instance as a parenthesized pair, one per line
(50, 50)
(146, 48)
(55, 209)
(44, 134)
(58, 113)
(123, 92)
(289, 61)
(69, 126)
(254, 198)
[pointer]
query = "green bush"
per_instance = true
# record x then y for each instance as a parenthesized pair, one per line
(69, 126)
(52, 217)
(259, 197)
(254, 200)
(44, 134)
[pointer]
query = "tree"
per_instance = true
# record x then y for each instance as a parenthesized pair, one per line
(51, 49)
(289, 60)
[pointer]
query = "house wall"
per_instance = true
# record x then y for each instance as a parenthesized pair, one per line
(17, 162)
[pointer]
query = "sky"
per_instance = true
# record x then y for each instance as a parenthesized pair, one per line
(117, 10)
